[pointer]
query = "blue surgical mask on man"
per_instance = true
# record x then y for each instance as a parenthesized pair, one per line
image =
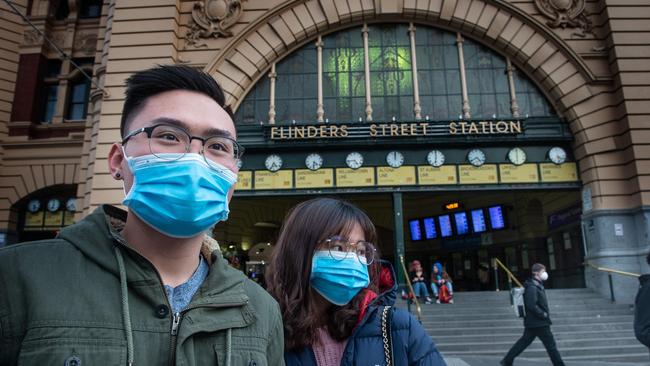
(179, 195)
(340, 278)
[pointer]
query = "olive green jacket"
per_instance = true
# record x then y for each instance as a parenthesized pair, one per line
(64, 302)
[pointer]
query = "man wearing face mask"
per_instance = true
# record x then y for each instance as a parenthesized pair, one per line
(146, 286)
(537, 322)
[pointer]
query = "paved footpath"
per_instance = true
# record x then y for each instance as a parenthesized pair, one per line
(492, 361)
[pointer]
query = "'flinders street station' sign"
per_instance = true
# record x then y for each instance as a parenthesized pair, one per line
(394, 129)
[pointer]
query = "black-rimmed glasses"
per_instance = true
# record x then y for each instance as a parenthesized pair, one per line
(339, 248)
(167, 139)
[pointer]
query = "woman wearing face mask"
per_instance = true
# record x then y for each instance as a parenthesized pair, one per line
(326, 276)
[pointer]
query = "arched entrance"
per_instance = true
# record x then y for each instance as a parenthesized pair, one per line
(43, 213)
(404, 119)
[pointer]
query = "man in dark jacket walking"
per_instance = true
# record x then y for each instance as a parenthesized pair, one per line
(642, 309)
(537, 322)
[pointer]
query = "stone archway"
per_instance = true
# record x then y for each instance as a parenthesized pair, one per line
(540, 53)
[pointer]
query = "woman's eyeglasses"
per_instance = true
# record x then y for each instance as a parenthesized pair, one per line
(339, 248)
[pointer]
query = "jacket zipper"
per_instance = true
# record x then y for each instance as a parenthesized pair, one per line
(176, 320)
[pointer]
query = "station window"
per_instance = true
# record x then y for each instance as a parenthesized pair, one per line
(79, 90)
(438, 73)
(296, 94)
(51, 84)
(344, 89)
(78, 100)
(90, 9)
(391, 62)
(59, 9)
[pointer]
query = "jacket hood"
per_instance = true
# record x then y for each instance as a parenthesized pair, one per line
(533, 282)
(439, 266)
(388, 291)
(98, 233)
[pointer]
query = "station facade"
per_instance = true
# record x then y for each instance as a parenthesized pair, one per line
(467, 129)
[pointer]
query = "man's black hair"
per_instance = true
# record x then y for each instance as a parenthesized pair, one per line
(537, 267)
(163, 78)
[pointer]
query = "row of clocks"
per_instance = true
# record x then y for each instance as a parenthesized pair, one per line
(53, 205)
(435, 158)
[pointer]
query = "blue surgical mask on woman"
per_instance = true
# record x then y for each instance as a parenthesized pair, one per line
(179, 195)
(338, 276)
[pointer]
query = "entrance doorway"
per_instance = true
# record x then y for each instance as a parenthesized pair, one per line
(464, 231)
(254, 223)
(518, 227)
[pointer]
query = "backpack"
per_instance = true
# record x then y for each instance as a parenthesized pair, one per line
(444, 296)
(517, 294)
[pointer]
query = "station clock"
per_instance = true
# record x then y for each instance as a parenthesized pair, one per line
(435, 158)
(314, 161)
(517, 156)
(273, 162)
(395, 159)
(34, 205)
(354, 160)
(53, 205)
(557, 155)
(476, 157)
(71, 204)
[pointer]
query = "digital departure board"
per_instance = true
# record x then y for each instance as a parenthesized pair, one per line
(445, 226)
(497, 221)
(462, 226)
(478, 221)
(416, 230)
(430, 228)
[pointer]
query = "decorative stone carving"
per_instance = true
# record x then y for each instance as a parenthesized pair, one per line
(566, 13)
(212, 18)
(86, 42)
(32, 38)
(58, 38)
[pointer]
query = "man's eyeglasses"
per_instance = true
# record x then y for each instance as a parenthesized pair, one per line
(339, 248)
(165, 139)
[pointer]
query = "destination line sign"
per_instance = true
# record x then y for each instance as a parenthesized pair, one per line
(394, 129)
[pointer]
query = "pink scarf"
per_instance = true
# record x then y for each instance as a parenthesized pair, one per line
(327, 350)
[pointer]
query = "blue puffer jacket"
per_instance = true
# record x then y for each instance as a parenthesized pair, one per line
(411, 345)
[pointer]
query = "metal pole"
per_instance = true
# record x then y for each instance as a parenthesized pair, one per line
(510, 288)
(272, 77)
(496, 273)
(320, 112)
(414, 71)
(398, 222)
(463, 77)
(611, 287)
(366, 62)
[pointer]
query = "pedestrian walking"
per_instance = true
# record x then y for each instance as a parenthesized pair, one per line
(642, 309)
(537, 321)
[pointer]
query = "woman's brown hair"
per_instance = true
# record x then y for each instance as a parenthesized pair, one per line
(306, 226)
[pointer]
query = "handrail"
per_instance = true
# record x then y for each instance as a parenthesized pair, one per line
(610, 270)
(510, 275)
(410, 287)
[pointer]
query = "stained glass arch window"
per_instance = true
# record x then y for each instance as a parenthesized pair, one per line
(367, 74)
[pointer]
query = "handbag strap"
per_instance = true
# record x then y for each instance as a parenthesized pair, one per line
(386, 336)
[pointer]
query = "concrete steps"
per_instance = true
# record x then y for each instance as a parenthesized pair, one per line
(586, 326)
